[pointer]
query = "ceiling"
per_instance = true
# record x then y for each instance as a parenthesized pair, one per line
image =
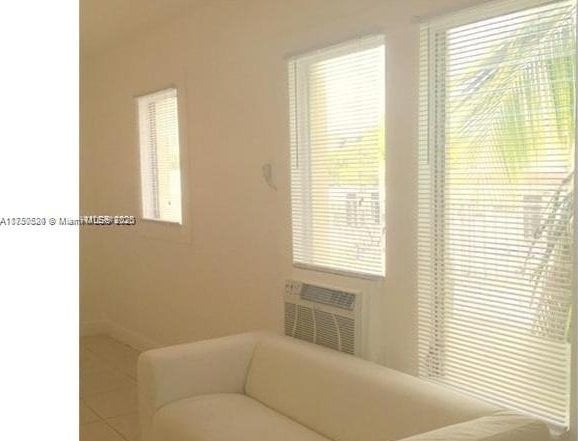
(105, 22)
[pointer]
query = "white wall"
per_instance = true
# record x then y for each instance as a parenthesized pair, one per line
(92, 304)
(228, 60)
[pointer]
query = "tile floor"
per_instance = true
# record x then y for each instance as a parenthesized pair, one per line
(108, 407)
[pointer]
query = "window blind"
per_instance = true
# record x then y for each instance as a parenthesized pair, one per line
(496, 202)
(337, 109)
(159, 156)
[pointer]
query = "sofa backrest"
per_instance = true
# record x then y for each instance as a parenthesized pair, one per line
(348, 399)
(501, 426)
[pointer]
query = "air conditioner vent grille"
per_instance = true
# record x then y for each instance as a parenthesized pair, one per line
(318, 294)
(346, 328)
(290, 316)
(305, 328)
(324, 316)
(327, 332)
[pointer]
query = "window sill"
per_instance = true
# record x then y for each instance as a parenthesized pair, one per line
(164, 230)
(338, 272)
(161, 222)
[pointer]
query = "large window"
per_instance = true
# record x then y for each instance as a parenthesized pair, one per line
(337, 98)
(496, 204)
(159, 156)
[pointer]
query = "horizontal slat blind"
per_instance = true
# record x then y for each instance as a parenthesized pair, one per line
(159, 156)
(337, 106)
(496, 204)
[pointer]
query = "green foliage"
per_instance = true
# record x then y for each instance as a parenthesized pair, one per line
(501, 116)
(553, 261)
(346, 172)
(520, 113)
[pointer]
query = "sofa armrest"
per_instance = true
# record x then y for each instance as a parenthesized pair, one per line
(502, 426)
(205, 367)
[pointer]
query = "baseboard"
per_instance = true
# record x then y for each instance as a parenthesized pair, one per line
(126, 336)
(131, 338)
(94, 328)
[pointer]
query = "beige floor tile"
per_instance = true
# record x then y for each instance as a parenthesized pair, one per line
(90, 362)
(98, 432)
(126, 363)
(87, 415)
(108, 390)
(99, 382)
(114, 403)
(127, 426)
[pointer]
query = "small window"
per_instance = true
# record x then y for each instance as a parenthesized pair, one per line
(337, 108)
(160, 156)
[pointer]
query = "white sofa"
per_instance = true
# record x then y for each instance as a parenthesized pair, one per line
(265, 387)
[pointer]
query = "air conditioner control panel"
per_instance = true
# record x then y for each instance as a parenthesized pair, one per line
(293, 287)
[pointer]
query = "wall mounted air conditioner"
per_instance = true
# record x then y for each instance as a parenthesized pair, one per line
(326, 316)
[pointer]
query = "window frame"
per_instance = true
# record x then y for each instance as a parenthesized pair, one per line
(142, 214)
(300, 75)
(162, 229)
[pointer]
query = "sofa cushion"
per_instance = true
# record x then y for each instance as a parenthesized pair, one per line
(504, 426)
(226, 417)
(348, 399)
